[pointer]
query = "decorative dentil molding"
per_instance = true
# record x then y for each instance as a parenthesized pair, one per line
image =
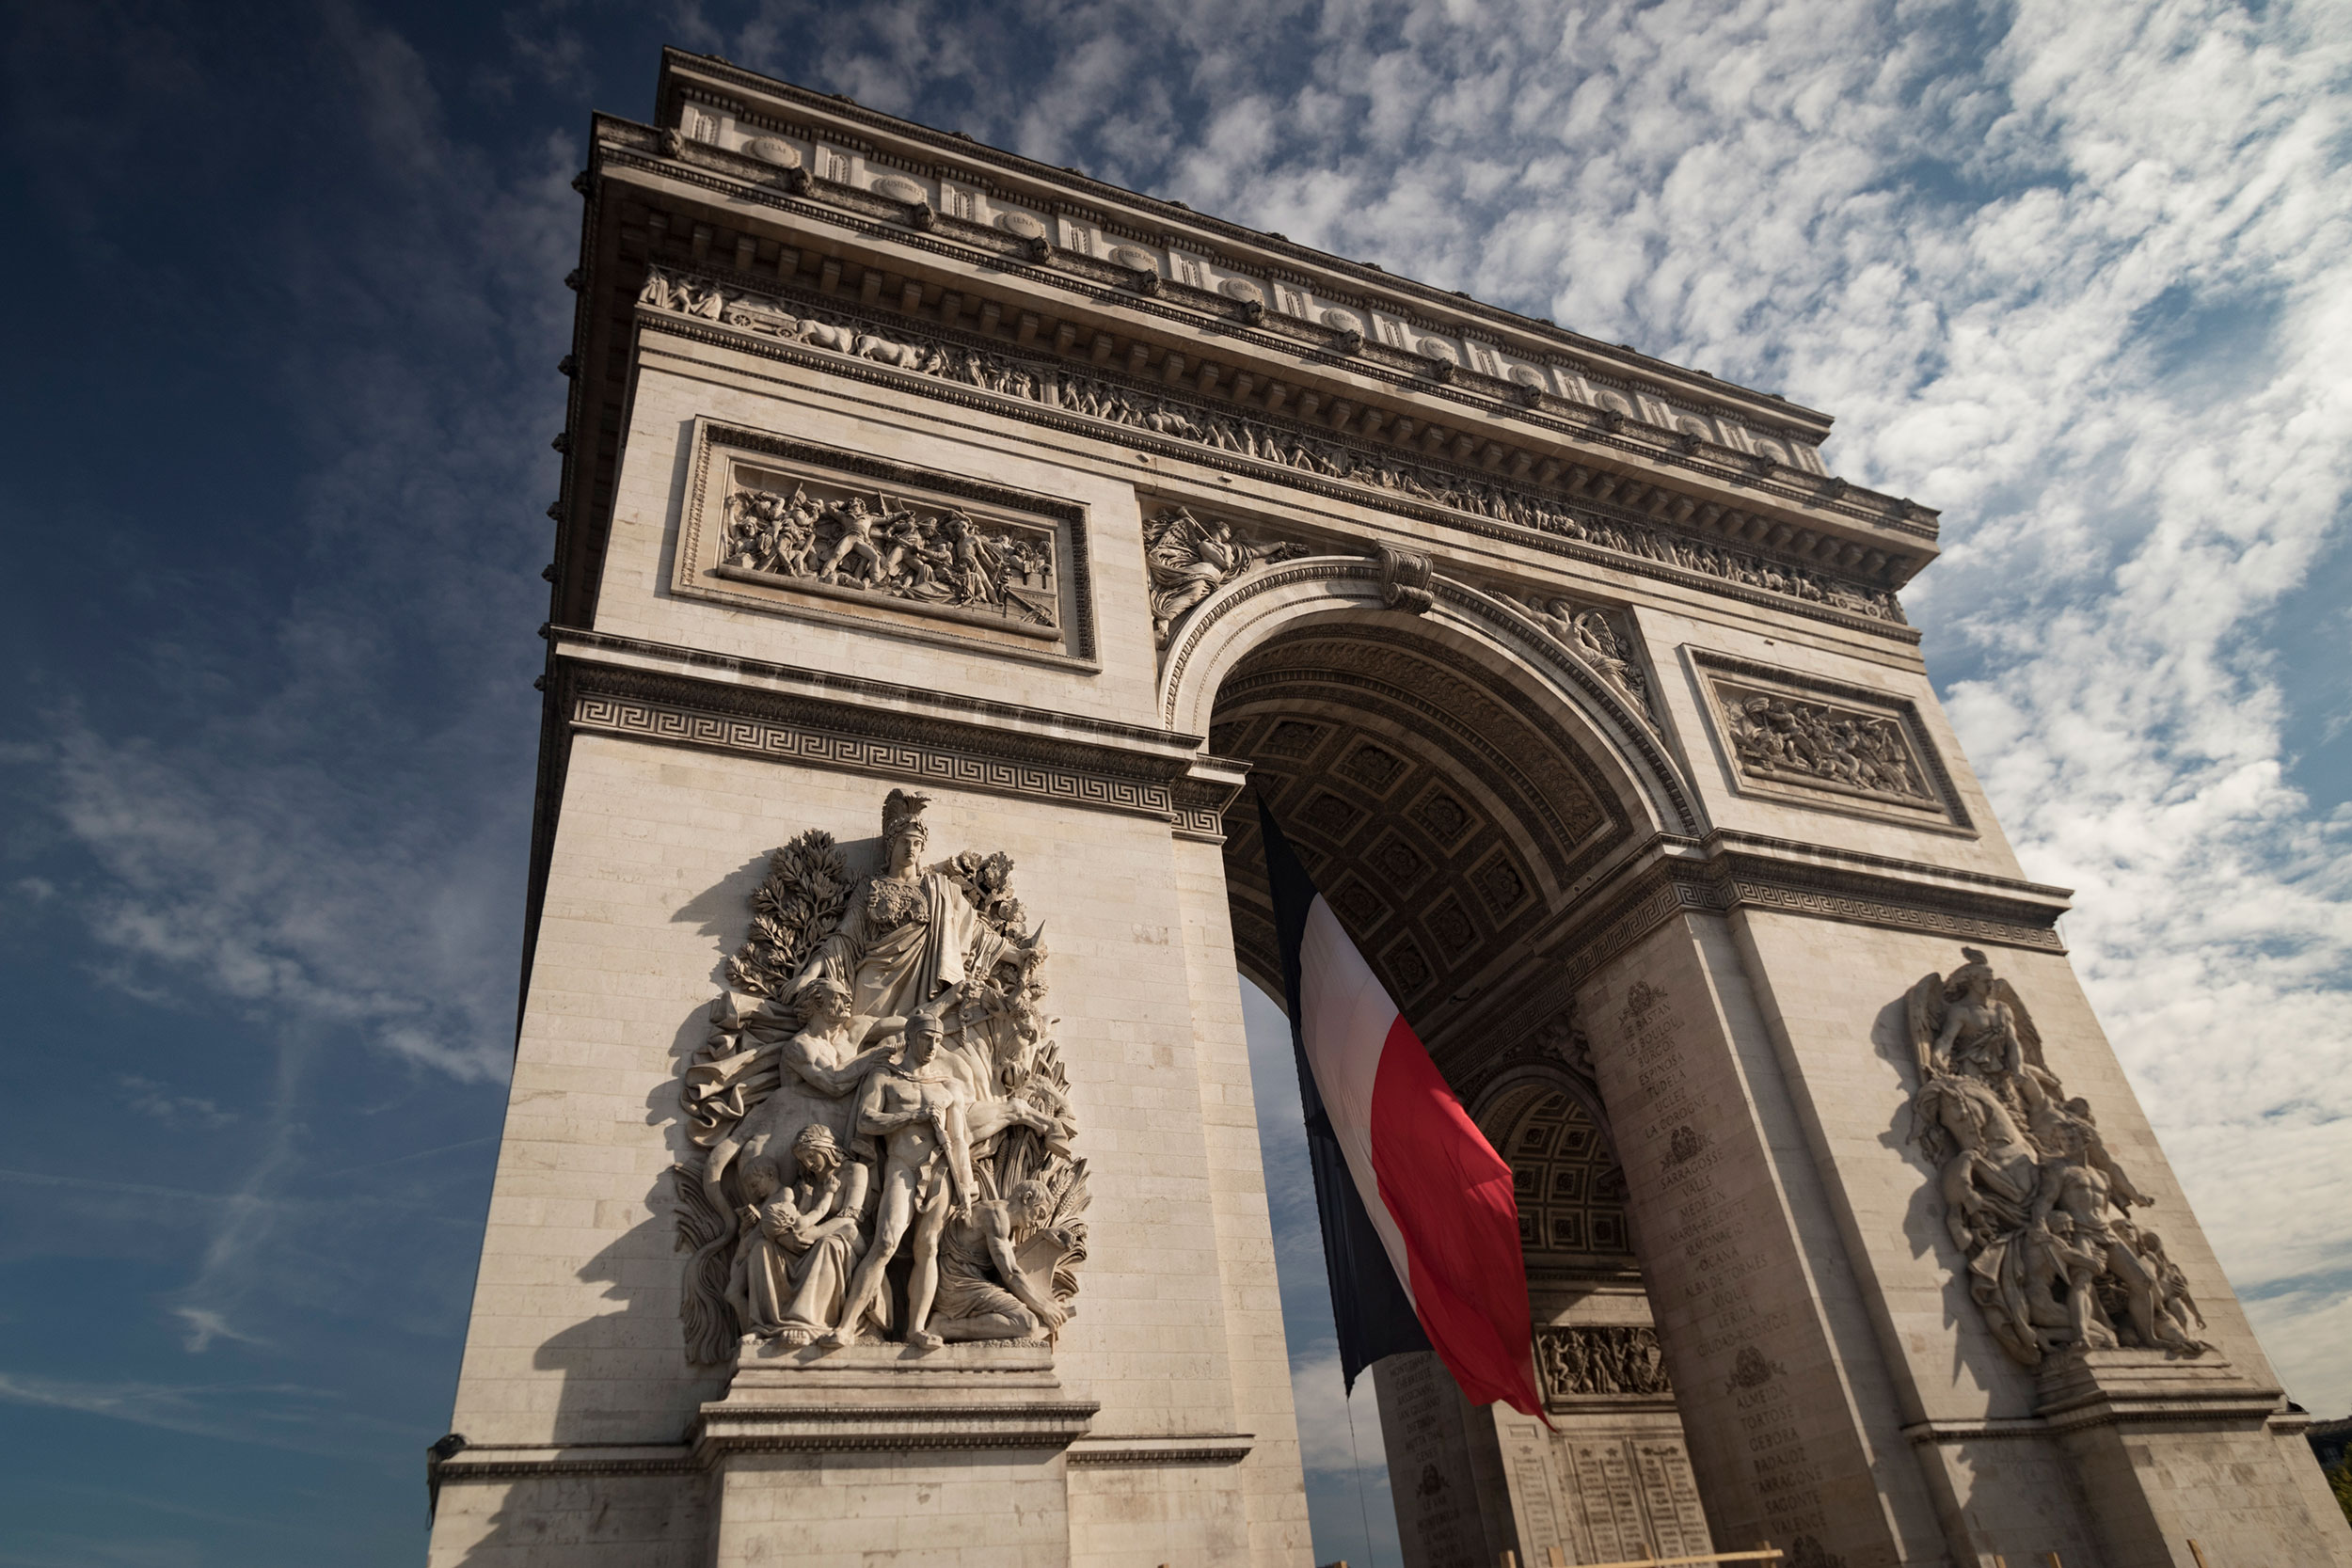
(950, 206)
(1300, 450)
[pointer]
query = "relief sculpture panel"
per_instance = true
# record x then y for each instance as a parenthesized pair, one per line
(1601, 1361)
(828, 538)
(1826, 744)
(2033, 1199)
(880, 1118)
(774, 524)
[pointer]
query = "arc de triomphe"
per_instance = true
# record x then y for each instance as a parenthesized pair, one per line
(945, 543)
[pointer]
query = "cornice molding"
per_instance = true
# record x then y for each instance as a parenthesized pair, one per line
(753, 98)
(1036, 389)
(668, 708)
(1725, 872)
(1626, 424)
(731, 1428)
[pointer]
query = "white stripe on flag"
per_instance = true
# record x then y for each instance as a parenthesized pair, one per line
(1346, 1018)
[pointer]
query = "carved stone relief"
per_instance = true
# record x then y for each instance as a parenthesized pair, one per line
(1191, 557)
(1406, 577)
(1774, 737)
(1612, 1360)
(830, 537)
(1301, 450)
(2033, 1199)
(1599, 639)
(880, 1080)
(1824, 743)
(775, 524)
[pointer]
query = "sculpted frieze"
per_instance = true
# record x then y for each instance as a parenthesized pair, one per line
(2033, 1200)
(1244, 434)
(829, 537)
(880, 1083)
(1777, 737)
(1190, 557)
(1610, 1360)
(784, 526)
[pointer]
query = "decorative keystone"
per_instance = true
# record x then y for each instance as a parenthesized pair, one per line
(1405, 579)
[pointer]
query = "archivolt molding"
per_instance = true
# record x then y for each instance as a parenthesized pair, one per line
(1212, 640)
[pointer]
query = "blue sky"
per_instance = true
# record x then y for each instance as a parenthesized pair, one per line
(287, 307)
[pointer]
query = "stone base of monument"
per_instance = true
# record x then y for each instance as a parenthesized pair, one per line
(955, 1457)
(2173, 1448)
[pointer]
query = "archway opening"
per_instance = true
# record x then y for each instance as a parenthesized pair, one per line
(1454, 807)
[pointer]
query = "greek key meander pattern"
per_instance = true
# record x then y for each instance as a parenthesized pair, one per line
(1300, 455)
(785, 742)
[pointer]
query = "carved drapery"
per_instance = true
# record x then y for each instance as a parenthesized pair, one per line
(1190, 557)
(1599, 639)
(879, 1078)
(2035, 1204)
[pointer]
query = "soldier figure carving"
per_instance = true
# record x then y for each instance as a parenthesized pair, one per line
(893, 1047)
(2032, 1198)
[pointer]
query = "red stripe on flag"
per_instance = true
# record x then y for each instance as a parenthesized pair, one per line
(1449, 1194)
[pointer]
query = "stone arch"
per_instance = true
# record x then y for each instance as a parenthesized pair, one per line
(1550, 1127)
(1503, 636)
(1459, 782)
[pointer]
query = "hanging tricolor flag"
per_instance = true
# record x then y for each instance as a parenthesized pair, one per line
(1420, 1230)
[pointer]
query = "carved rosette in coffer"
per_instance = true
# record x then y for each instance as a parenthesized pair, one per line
(789, 527)
(1825, 744)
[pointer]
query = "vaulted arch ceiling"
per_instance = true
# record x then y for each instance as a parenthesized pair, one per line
(1443, 818)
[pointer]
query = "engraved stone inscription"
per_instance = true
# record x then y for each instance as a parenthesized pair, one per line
(1710, 1253)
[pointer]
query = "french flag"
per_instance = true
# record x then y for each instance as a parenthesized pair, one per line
(1420, 1229)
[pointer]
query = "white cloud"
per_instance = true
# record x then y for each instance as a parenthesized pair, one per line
(1336, 1434)
(150, 1097)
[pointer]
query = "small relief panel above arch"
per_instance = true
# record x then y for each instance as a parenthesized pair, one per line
(788, 527)
(1823, 744)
